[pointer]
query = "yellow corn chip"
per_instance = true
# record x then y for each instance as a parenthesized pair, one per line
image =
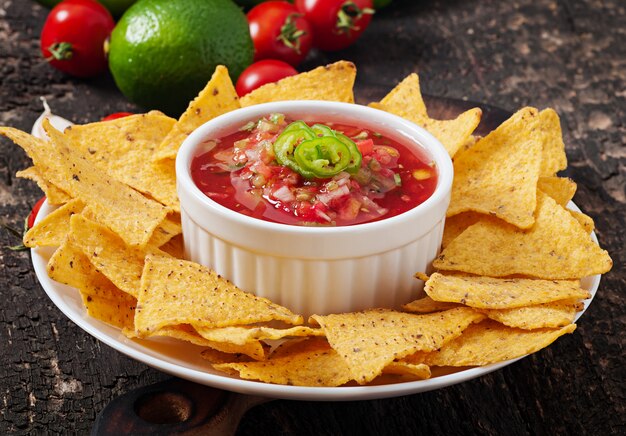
(309, 363)
(553, 158)
(418, 371)
(495, 293)
(54, 194)
(118, 313)
(369, 341)
(215, 356)
(548, 315)
(556, 247)
(53, 229)
(110, 200)
(584, 220)
(490, 342)
(428, 305)
(119, 262)
(124, 149)
(180, 292)
(217, 98)
(68, 265)
(333, 82)
(499, 174)
(174, 247)
(242, 335)
(561, 189)
(406, 100)
(169, 228)
(455, 225)
(185, 332)
(255, 350)
(42, 154)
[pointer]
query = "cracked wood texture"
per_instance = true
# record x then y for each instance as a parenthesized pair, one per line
(569, 55)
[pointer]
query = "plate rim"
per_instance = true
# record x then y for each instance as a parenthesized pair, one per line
(94, 327)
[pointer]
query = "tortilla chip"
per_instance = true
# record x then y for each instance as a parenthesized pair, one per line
(428, 305)
(174, 247)
(243, 335)
(176, 292)
(498, 176)
(496, 293)
(109, 254)
(54, 194)
(561, 189)
(53, 229)
(332, 82)
(553, 158)
(215, 356)
(490, 342)
(585, 221)
(406, 101)
(548, 315)
(118, 313)
(110, 199)
(369, 341)
(310, 363)
(417, 371)
(185, 332)
(455, 225)
(217, 98)
(169, 228)
(68, 265)
(556, 247)
(124, 148)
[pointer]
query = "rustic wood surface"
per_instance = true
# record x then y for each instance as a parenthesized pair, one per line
(570, 55)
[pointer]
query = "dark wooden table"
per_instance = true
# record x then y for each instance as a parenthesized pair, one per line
(570, 55)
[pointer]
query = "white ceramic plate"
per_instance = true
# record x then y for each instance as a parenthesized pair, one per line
(183, 360)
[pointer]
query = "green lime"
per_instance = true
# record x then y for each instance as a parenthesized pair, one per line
(163, 52)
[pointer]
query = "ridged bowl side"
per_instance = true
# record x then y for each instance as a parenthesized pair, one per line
(309, 286)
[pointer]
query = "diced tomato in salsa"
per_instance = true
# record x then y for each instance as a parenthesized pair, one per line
(240, 171)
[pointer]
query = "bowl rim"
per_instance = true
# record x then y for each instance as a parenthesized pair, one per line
(360, 114)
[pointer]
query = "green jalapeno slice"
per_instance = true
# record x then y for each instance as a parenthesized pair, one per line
(324, 156)
(322, 130)
(285, 145)
(355, 154)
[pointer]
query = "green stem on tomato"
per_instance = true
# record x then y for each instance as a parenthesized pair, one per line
(61, 51)
(348, 14)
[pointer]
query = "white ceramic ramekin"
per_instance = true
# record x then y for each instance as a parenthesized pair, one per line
(316, 269)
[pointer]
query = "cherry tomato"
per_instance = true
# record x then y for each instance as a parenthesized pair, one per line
(279, 31)
(117, 115)
(262, 72)
(336, 23)
(35, 211)
(73, 37)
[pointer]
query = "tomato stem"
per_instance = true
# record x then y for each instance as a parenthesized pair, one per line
(290, 34)
(348, 14)
(60, 51)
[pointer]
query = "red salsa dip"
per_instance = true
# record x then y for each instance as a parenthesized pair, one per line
(312, 173)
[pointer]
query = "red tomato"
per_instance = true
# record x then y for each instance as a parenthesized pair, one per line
(262, 72)
(278, 31)
(117, 115)
(336, 23)
(35, 211)
(73, 36)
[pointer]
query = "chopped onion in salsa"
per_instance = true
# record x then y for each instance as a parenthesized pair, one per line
(303, 173)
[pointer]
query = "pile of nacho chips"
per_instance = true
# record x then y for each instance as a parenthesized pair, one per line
(507, 281)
